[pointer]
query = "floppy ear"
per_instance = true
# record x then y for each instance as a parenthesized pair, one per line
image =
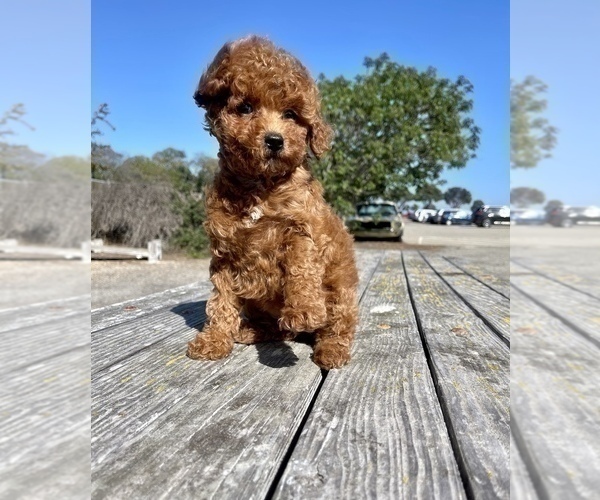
(213, 87)
(319, 138)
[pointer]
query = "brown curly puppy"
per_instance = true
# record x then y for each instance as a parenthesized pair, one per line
(282, 261)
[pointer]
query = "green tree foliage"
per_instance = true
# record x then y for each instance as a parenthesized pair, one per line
(457, 196)
(532, 138)
(428, 193)
(206, 169)
(524, 196)
(476, 204)
(64, 168)
(395, 128)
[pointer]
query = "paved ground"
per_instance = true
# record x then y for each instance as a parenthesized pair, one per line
(31, 281)
(116, 281)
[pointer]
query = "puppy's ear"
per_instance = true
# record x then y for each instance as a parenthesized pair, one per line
(213, 86)
(319, 137)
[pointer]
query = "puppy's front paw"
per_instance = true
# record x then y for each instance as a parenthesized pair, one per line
(297, 320)
(207, 346)
(330, 353)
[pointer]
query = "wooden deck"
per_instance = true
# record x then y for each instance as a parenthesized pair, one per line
(422, 410)
(555, 401)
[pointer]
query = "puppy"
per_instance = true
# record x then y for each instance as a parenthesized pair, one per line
(282, 261)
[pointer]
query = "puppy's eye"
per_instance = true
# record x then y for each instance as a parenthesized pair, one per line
(290, 114)
(244, 108)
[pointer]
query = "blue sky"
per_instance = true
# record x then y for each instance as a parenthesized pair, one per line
(559, 42)
(146, 58)
(46, 65)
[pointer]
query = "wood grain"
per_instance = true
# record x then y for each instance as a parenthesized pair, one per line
(495, 280)
(44, 411)
(376, 429)
(493, 307)
(577, 309)
(521, 487)
(471, 372)
(130, 310)
(555, 402)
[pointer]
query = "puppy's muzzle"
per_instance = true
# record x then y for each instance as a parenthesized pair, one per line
(274, 142)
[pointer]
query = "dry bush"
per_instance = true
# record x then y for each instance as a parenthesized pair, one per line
(132, 213)
(49, 213)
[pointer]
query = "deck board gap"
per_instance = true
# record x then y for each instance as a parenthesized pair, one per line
(534, 474)
(495, 330)
(548, 277)
(475, 277)
(560, 318)
(462, 467)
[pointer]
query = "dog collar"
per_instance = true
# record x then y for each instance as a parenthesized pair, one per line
(253, 216)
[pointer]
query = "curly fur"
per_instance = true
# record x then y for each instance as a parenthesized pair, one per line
(282, 261)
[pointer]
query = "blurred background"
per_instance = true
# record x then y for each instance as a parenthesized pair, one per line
(45, 198)
(555, 243)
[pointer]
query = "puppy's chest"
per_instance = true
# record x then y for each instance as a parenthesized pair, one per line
(255, 230)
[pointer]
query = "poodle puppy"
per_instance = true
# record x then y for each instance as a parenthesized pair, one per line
(282, 261)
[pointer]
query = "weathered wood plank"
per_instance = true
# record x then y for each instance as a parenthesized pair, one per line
(496, 281)
(491, 306)
(105, 317)
(36, 314)
(44, 414)
(115, 344)
(376, 429)
(225, 435)
(576, 273)
(580, 311)
(26, 346)
(166, 426)
(555, 402)
(471, 372)
(521, 487)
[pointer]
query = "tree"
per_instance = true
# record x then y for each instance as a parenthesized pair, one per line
(104, 159)
(177, 167)
(457, 196)
(16, 161)
(101, 116)
(476, 204)
(206, 169)
(553, 205)
(428, 193)
(532, 138)
(395, 128)
(524, 196)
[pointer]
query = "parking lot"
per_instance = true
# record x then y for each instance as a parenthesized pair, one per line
(416, 233)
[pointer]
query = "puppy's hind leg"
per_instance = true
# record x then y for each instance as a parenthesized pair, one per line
(334, 341)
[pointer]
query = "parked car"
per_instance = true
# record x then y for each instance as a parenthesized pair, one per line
(437, 217)
(489, 215)
(462, 217)
(423, 214)
(376, 220)
(522, 216)
(570, 216)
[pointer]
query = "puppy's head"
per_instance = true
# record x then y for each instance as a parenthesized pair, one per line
(263, 107)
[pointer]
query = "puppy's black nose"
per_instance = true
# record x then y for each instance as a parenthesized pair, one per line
(274, 141)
